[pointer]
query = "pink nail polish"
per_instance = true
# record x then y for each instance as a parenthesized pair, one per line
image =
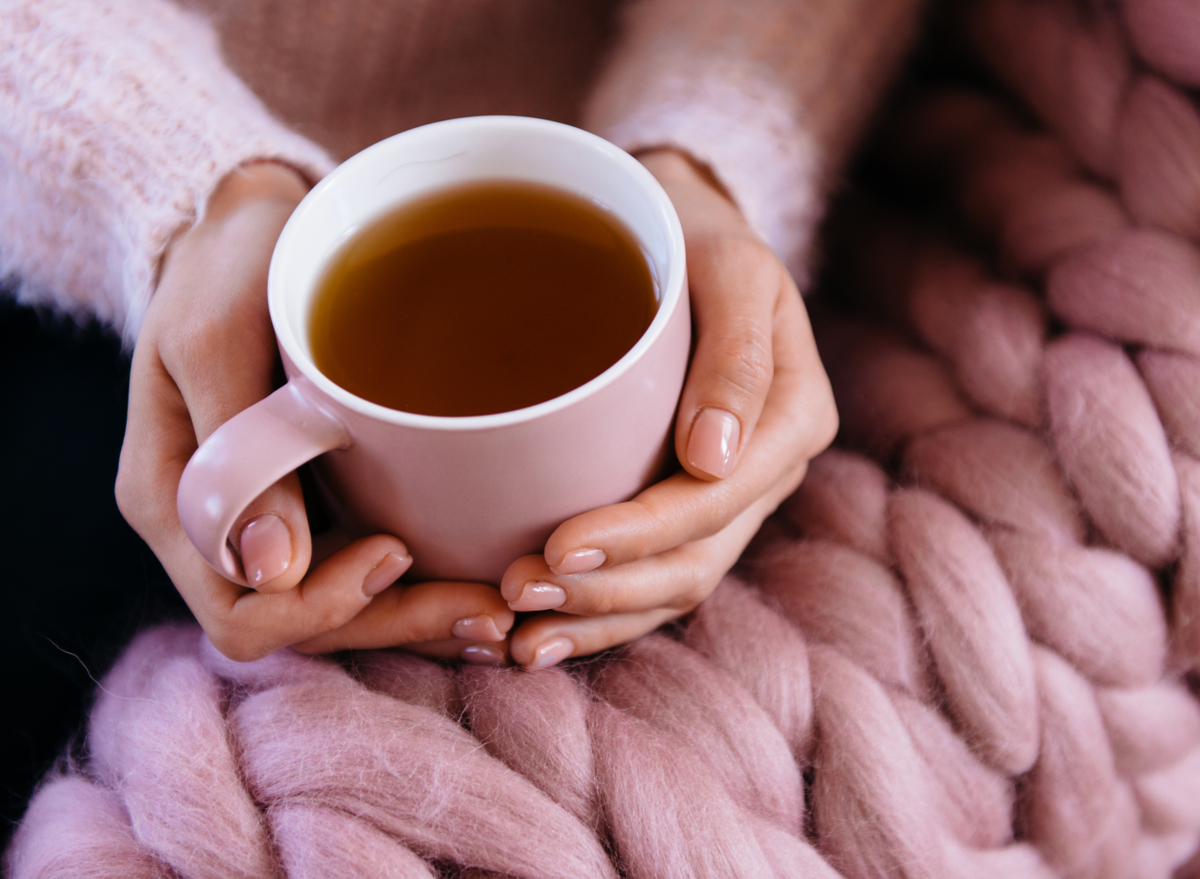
(539, 596)
(266, 549)
(482, 654)
(479, 628)
(580, 561)
(385, 573)
(713, 444)
(553, 651)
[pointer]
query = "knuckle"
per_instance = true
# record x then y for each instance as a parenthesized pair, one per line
(685, 515)
(685, 599)
(652, 515)
(743, 251)
(828, 421)
(601, 603)
(693, 590)
(326, 616)
(234, 645)
(791, 480)
(831, 424)
(744, 363)
(129, 489)
(123, 491)
(329, 619)
(190, 342)
(240, 652)
(757, 256)
(697, 512)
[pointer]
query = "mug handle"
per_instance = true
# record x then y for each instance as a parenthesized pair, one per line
(243, 458)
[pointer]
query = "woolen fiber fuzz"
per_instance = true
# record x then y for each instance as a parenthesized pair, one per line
(962, 649)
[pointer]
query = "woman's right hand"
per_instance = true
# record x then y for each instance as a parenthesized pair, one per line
(205, 352)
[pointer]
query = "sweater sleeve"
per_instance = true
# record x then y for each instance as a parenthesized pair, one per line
(769, 94)
(117, 119)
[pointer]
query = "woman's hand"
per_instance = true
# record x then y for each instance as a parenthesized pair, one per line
(206, 351)
(757, 406)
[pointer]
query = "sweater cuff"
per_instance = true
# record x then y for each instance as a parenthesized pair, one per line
(744, 129)
(123, 119)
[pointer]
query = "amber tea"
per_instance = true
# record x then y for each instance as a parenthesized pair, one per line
(488, 297)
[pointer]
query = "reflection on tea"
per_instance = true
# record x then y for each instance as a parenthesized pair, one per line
(488, 297)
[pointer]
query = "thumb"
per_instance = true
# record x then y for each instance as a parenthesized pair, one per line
(272, 538)
(219, 348)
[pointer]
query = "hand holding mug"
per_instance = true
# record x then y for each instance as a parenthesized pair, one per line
(206, 352)
(661, 553)
(756, 408)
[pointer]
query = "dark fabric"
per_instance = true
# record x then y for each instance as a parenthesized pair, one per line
(76, 582)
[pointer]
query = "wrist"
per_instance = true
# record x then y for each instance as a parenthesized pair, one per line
(674, 165)
(258, 182)
(247, 197)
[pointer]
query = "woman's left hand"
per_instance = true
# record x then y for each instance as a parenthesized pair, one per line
(756, 407)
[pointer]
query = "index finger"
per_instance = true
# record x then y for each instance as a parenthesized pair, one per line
(246, 625)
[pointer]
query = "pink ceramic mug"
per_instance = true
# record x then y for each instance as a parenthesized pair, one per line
(467, 495)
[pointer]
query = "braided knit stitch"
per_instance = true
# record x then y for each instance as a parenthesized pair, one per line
(962, 649)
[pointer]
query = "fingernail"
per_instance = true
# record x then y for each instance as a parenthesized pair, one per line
(266, 549)
(539, 596)
(385, 573)
(554, 650)
(480, 628)
(714, 442)
(482, 654)
(580, 561)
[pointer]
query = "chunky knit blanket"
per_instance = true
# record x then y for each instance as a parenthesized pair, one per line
(962, 649)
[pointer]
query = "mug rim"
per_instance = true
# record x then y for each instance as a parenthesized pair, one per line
(672, 287)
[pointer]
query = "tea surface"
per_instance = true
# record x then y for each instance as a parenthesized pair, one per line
(483, 298)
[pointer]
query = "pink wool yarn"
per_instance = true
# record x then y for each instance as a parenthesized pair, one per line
(1021, 188)
(159, 726)
(1140, 286)
(385, 760)
(1000, 473)
(974, 801)
(1158, 167)
(764, 653)
(991, 332)
(845, 500)
(1172, 380)
(1069, 62)
(1149, 728)
(1166, 33)
(537, 725)
(1053, 221)
(1072, 788)
(316, 842)
(1097, 608)
(871, 775)
(74, 828)
(670, 687)
(841, 598)
(1112, 446)
(1186, 592)
(962, 649)
(886, 391)
(973, 627)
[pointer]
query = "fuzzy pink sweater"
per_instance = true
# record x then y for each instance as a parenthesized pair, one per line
(117, 119)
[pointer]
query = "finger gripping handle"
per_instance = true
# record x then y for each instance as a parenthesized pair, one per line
(243, 458)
